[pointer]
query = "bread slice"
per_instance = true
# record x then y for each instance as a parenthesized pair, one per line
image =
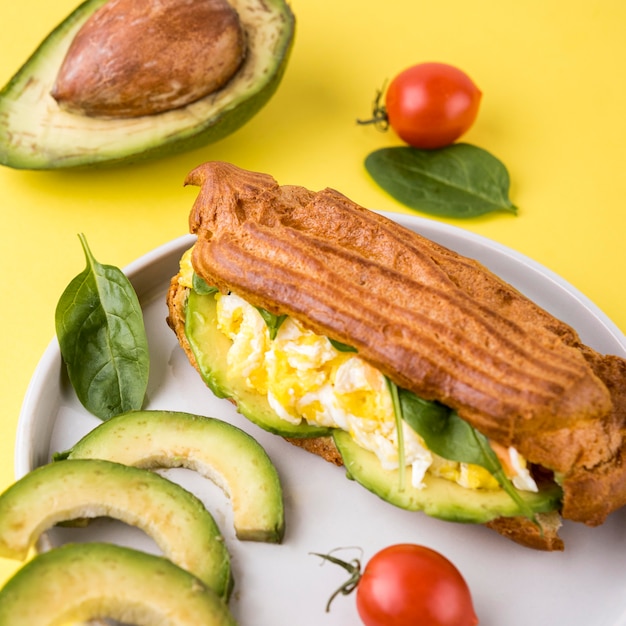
(436, 323)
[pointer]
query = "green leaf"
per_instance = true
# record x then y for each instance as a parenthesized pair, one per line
(200, 286)
(272, 321)
(459, 181)
(451, 437)
(394, 392)
(341, 347)
(101, 334)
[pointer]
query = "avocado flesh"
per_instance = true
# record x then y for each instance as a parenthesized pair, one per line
(36, 134)
(78, 582)
(215, 449)
(210, 347)
(439, 497)
(177, 521)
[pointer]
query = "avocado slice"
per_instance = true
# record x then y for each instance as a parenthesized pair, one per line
(78, 582)
(215, 449)
(36, 134)
(209, 347)
(439, 497)
(178, 522)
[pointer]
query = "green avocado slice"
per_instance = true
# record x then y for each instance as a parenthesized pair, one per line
(36, 134)
(209, 347)
(225, 454)
(177, 521)
(78, 582)
(439, 497)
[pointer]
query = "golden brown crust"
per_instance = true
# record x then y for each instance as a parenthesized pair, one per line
(539, 536)
(435, 322)
(590, 494)
(321, 446)
(347, 275)
(176, 302)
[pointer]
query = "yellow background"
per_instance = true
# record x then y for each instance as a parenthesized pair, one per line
(553, 78)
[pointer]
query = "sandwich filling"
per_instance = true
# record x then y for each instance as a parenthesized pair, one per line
(307, 377)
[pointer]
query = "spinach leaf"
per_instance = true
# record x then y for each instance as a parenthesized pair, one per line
(101, 334)
(397, 413)
(460, 180)
(201, 287)
(451, 437)
(341, 347)
(272, 321)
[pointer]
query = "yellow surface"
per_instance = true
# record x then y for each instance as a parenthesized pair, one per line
(552, 75)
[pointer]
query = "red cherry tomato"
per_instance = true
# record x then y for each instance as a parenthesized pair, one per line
(431, 105)
(408, 585)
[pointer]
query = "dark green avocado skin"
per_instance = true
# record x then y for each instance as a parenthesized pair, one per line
(26, 145)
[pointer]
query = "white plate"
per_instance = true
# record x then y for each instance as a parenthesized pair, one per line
(285, 585)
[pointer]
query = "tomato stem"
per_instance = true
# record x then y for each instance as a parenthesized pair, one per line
(353, 568)
(379, 113)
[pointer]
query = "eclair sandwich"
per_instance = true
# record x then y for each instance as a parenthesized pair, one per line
(438, 386)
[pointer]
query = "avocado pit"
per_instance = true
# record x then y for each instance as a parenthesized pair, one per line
(133, 58)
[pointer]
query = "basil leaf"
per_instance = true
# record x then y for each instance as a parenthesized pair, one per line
(272, 321)
(451, 437)
(201, 287)
(460, 180)
(341, 347)
(101, 333)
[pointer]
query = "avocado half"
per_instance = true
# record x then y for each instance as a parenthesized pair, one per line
(36, 134)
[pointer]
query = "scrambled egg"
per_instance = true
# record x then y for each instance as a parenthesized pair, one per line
(304, 377)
